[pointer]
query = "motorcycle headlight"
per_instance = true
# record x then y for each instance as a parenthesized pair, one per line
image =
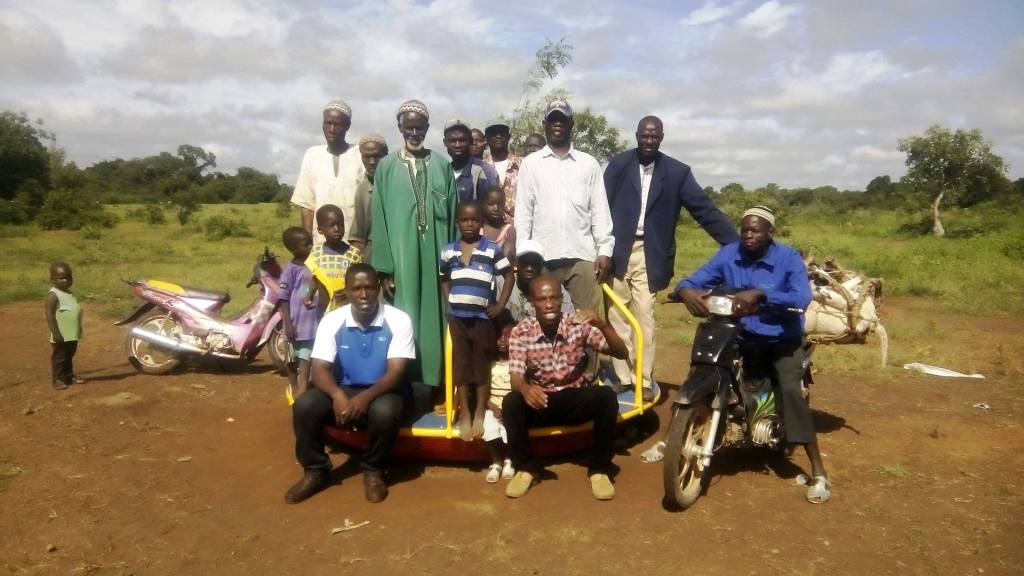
(720, 305)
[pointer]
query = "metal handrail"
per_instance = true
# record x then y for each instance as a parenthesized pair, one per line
(638, 364)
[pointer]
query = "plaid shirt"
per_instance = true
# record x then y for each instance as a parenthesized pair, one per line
(553, 364)
(509, 186)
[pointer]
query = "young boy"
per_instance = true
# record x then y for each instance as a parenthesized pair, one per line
(468, 268)
(64, 317)
(329, 261)
(299, 320)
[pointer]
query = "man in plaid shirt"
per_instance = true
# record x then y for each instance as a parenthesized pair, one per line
(547, 359)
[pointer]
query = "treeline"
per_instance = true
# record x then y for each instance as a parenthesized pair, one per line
(38, 184)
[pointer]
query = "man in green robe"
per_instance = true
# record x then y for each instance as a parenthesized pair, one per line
(414, 205)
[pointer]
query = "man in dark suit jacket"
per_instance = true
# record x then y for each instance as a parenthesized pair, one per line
(646, 191)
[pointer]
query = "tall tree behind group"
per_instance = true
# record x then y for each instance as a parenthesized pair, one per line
(591, 132)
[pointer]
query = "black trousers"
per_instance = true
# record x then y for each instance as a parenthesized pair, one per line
(314, 409)
(569, 406)
(61, 361)
(783, 363)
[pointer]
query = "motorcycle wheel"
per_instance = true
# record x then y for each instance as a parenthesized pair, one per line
(683, 478)
(147, 358)
(277, 346)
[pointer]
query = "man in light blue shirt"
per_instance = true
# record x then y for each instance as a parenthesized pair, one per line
(360, 356)
(561, 203)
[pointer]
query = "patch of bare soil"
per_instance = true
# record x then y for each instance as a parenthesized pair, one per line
(185, 474)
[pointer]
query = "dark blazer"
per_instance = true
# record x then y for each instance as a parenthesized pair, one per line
(672, 188)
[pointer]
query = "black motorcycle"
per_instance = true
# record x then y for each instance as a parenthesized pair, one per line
(726, 400)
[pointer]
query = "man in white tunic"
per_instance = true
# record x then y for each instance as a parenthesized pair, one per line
(330, 173)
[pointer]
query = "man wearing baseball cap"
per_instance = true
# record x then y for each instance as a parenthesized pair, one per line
(561, 203)
(472, 175)
(504, 161)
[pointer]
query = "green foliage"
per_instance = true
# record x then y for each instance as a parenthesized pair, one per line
(23, 157)
(957, 167)
(150, 214)
(65, 209)
(220, 227)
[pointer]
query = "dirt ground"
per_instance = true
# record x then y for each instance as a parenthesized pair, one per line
(185, 474)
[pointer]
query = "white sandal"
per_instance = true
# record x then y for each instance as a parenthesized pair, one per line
(819, 491)
(493, 473)
(654, 454)
(507, 471)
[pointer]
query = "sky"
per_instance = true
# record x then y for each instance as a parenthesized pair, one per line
(788, 92)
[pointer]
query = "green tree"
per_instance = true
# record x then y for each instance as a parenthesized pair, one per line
(954, 166)
(24, 166)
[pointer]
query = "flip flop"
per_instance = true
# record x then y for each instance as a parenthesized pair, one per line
(819, 491)
(654, 454)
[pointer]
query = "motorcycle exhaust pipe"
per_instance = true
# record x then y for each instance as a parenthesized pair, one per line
(175, 345)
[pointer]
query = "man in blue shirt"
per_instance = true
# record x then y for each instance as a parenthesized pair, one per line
(772, 279)
(359, 358)
(472, 175)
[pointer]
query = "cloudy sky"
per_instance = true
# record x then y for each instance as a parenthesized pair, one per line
(751, 91)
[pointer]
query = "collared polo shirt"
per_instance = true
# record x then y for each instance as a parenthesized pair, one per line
(472, 286)
(475, 177)
(561, 203)
(780, 274)
(554, 364)
(360, 354)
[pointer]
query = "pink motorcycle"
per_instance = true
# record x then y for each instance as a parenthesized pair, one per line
(175, 321)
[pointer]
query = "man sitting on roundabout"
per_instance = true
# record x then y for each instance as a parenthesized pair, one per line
(359, 357)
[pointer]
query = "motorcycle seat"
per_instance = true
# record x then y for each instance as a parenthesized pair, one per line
(189, 291)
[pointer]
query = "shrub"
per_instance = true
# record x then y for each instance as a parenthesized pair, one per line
(69, 210)
(221, 227)
(150, 214)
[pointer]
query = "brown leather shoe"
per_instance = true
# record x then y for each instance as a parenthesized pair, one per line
(312, 482)
(376, 489)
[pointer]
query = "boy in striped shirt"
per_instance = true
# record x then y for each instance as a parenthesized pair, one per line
(469, 270)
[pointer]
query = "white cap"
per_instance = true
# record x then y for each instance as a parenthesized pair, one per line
(528, 246)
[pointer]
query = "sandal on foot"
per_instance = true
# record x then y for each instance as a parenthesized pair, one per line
(507, 470)
(60, 385)
(493, 473)
(819, 491)
(653, 454)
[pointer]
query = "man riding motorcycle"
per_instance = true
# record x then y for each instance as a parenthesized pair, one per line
(772, 280)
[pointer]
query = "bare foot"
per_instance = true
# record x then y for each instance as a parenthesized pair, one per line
(465, 428)
(478, 428)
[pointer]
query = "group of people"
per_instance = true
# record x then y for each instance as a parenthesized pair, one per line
(508, 253)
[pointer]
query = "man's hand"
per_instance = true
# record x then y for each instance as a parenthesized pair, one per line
(495, 310)
(694, 300)
(589, 317)
(387, 285)
(289, 332)
(358, 406)
(602, 268)
(309, 303)
(747, 302)
(534, 396)
(341, 409)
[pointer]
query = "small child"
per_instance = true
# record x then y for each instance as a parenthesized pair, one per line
(494, 430)
(496, 226)
(468, 268)
(329, 261)
(64, 317)
(299, 319)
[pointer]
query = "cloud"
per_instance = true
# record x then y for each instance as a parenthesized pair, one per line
(708, 13)
(844, 74)
(768, 18)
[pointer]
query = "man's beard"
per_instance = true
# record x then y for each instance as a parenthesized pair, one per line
(413, 147)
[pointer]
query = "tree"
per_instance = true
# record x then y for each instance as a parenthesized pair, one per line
(955, 166)
(24, 166)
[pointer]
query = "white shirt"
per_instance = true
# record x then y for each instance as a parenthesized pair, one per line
(645, 186)
(317, 185)
(325, 347)
(501, 168)
(561, 203)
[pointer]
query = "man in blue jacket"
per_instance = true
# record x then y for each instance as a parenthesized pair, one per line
(646, 192)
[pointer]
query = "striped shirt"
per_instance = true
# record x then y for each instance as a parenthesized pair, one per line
(472, 287)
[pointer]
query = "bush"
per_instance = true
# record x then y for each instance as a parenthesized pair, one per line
(69, 210)
(150, 214)
(221, 227)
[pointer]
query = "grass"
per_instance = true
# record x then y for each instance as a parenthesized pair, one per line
(975, 270)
